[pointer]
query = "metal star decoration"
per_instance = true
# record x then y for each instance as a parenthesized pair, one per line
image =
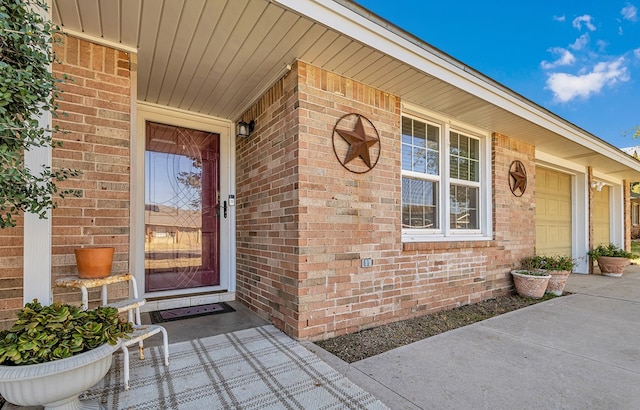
(517, 178)
(359, 143)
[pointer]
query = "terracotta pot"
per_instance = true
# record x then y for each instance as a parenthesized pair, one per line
(557, 281)
(612, 266)
(530, 286)
(94, 262)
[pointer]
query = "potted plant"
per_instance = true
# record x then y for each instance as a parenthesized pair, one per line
(558, 266)
(53, 353)
(611, 259)
(530, 282)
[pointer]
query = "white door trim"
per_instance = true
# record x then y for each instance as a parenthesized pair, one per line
(165, 115)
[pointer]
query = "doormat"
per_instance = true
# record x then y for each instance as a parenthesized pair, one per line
(168, 315)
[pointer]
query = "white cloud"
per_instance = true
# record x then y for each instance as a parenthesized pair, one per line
(602, 45)
(586, 19)
(636, 52)
(559, 18)
(580, 42)
(566, 58)
(566, 87)
(629, 12)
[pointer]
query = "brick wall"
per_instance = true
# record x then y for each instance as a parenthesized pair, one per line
(267, 208)
(11, 267)
(514, 217)
(94, 113)
(97, 108)
(312, 284)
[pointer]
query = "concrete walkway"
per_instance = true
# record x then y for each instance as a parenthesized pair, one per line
(580, 351)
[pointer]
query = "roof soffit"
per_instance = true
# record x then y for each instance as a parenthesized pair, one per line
(216, 57)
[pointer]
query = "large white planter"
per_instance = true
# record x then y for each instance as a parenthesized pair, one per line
(57, 384)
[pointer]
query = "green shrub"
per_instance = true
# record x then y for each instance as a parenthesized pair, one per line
(532, 272)
(47, 333)
(610, 250)
(28, 88)
(553, 262)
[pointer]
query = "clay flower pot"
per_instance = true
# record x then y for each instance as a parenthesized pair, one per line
(530, 284)
(94, 262)
(557, 281)
(612, 265)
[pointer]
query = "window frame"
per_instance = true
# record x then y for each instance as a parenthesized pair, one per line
(484, 213)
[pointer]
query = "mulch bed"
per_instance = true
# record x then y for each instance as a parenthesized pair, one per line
(370, 342)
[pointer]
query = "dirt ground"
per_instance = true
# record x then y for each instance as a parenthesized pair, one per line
(370, 342)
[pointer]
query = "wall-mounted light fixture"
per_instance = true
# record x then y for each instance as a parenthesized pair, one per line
(244, 129)
(597, 185)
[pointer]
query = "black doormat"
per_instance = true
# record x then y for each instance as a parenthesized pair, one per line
(168, 315)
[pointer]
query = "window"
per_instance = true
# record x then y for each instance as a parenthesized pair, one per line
(464, 170)
(635, 214)
(443, 192)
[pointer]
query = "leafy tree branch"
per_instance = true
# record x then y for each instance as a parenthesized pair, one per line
(28, 89)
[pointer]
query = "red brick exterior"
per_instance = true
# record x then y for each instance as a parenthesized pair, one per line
(11, 267)
(94, 111)
(97, 107)
(268, 212)
(305, 222)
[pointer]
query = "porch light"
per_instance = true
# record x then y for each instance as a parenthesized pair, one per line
(597, 185)
(243, 129)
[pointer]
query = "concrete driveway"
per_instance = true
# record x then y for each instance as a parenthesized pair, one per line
(580, 351)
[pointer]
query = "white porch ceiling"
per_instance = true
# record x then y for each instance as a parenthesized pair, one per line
(215, 57)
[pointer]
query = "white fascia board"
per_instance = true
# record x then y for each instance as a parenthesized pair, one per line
(551, 161)
(341, 19)
(101, 41)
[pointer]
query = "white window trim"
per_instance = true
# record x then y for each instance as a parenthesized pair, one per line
(445, 233)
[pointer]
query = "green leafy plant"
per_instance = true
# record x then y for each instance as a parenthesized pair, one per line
(552, 262)
(610, 250)
(27, 90)
(47, 333)
(531, 272)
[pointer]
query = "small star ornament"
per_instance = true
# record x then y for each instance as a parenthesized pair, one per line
(517, 178)
(362, 143)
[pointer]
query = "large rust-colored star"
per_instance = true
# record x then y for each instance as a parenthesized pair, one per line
(359, 143)
(519, 175)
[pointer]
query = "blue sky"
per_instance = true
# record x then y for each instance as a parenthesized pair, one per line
(578, 59)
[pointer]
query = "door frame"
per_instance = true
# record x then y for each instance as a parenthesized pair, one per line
(170, 116)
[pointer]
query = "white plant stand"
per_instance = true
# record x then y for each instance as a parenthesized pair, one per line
(131, 306)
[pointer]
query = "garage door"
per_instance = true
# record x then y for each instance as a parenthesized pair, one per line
(601, 226)
(553, 212)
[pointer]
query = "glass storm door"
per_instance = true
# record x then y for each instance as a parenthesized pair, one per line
(182, 231)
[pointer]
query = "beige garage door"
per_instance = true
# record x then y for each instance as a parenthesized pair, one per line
(601, 226)
(553, 212)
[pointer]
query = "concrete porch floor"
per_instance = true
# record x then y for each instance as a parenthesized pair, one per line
(204, 326)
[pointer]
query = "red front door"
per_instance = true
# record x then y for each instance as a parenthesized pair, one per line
(182, 233)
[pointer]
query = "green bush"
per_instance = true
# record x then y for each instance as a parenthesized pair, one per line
(610, 250)
(47, 333)
(27, 90)
(553, 262)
